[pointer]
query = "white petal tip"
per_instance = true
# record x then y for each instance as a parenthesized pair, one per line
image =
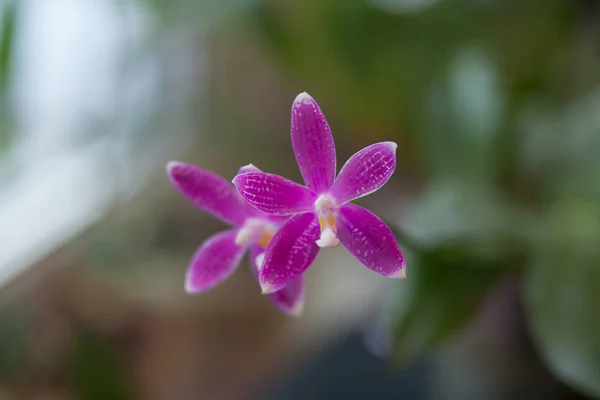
(297, 310)
(401, 274)
(392, 145)
(303, 98)
(248, 168)
(173, 164)
(190, 289)
(267, 288)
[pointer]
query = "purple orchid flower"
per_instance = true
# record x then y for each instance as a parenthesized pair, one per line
(320, 212)
(218, 257)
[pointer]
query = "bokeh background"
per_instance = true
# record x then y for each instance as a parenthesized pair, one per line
(495, 105)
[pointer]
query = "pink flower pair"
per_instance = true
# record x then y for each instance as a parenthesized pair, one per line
(283, 223)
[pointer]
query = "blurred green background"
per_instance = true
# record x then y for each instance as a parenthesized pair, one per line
(495, 106)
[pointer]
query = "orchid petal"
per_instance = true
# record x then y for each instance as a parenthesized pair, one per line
(370, 240)
(209, 192)
(313, 144)
(365, 172)
(213, 262)
(290, 252)
(290, 299)
(274, 194)
(278, 220)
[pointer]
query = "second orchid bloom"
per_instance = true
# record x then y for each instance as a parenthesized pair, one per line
(219, 256)
(320, 214)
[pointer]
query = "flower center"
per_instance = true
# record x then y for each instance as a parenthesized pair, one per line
(256, 231)
(326, 207)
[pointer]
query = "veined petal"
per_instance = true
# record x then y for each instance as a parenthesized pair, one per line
(278, 220)
(209, 192)
(274, 194)
(290, 252)
(290, 299)
(313, 144)
(370, 240)
(214, 261)
(365, 172)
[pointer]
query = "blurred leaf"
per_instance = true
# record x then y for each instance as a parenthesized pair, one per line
(8, 12)
(440, 297)
(561, 146)
(6, 135)
(98, 371)
(462, 119)
(562, 291)
(475, 92)
(470, 217)
(448, 209)
(7, 29)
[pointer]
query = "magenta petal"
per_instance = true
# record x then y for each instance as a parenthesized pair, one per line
(370, 240)
(209, 192)
(290, 252)
(290, 299)
(365, 172)
(273, 194)
(313, 144)
(214, 261)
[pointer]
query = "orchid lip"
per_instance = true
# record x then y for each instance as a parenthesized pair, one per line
(328, 238)
(326, 207)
